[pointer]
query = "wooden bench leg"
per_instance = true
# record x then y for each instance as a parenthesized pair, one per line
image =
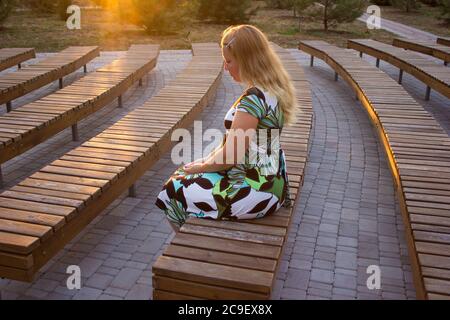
(120, 104)
(400, 76)
(311, 61)
(378, 62)
(445, 63)
(85, 68)
(75, 136)
(428, 93)
(132, 191)
(140, 82)
(8, 106)
(61, 83)
(360, 54)
(19, 66)
(336, 76)
(1, 177)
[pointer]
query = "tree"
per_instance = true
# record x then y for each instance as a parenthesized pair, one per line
(279, 4)
(48, 6)
(445, 10)
(407, 5)
(230, 11)
(62, 8)
(156, 16)
(338, 11)
(5, 9)
(299, 6)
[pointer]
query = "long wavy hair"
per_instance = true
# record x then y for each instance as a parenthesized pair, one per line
(260, 66)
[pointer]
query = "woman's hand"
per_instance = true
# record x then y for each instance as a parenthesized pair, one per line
(194, 167)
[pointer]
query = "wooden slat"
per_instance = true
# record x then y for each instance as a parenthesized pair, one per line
(199, 290)
(207, 273)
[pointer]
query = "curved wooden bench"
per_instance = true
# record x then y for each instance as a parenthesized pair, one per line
(211, 259)
(45, 211)
(15, 56)
(29, 125)
(418, 152)
(35, 76)
(433, 75)
(430, 48)
(444, 41)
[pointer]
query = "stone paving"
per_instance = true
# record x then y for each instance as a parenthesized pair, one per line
(347, 218)
(401, 29)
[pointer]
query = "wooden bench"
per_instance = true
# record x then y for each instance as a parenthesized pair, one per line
(430, 48)
(433, 75)
(35, 76)
(15, 56)
(29, 125)
(444, 41)
(45, 211)
(210, 259)
(418, 153)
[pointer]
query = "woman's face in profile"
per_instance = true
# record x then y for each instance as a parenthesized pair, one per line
(230, 64)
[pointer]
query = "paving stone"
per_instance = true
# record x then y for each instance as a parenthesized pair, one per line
(346, 260)
(292, 294)
(86, 293)
(139, 292)
(126, 278)
(297, 279)
(89, 265)
(320, 275)
(99, 281)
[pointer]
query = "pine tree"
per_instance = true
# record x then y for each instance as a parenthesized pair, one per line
(407, 5)
(156, 16)
(62, 8)
(230, 11)
(299, 6)
(5, 9)
(338, 11)
(445, 10)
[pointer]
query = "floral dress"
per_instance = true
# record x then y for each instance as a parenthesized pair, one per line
(256, 188)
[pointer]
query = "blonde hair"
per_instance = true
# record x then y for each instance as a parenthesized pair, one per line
(260, 66)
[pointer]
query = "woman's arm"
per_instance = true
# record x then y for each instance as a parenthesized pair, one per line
(236, 144)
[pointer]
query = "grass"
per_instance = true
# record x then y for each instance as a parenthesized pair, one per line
(425, 18)
(100, 27)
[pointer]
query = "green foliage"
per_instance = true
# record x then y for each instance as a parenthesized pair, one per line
(445, 10)
(381, 2)
(279, 4)
(5, 9)
(339, 11)
(299, 7)
(433, 3)
(230, 11)
(48, 6)
(158, 16)
(406, 5)
(62, 8)
(42, 6)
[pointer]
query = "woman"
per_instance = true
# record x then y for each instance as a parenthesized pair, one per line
(226, 184)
